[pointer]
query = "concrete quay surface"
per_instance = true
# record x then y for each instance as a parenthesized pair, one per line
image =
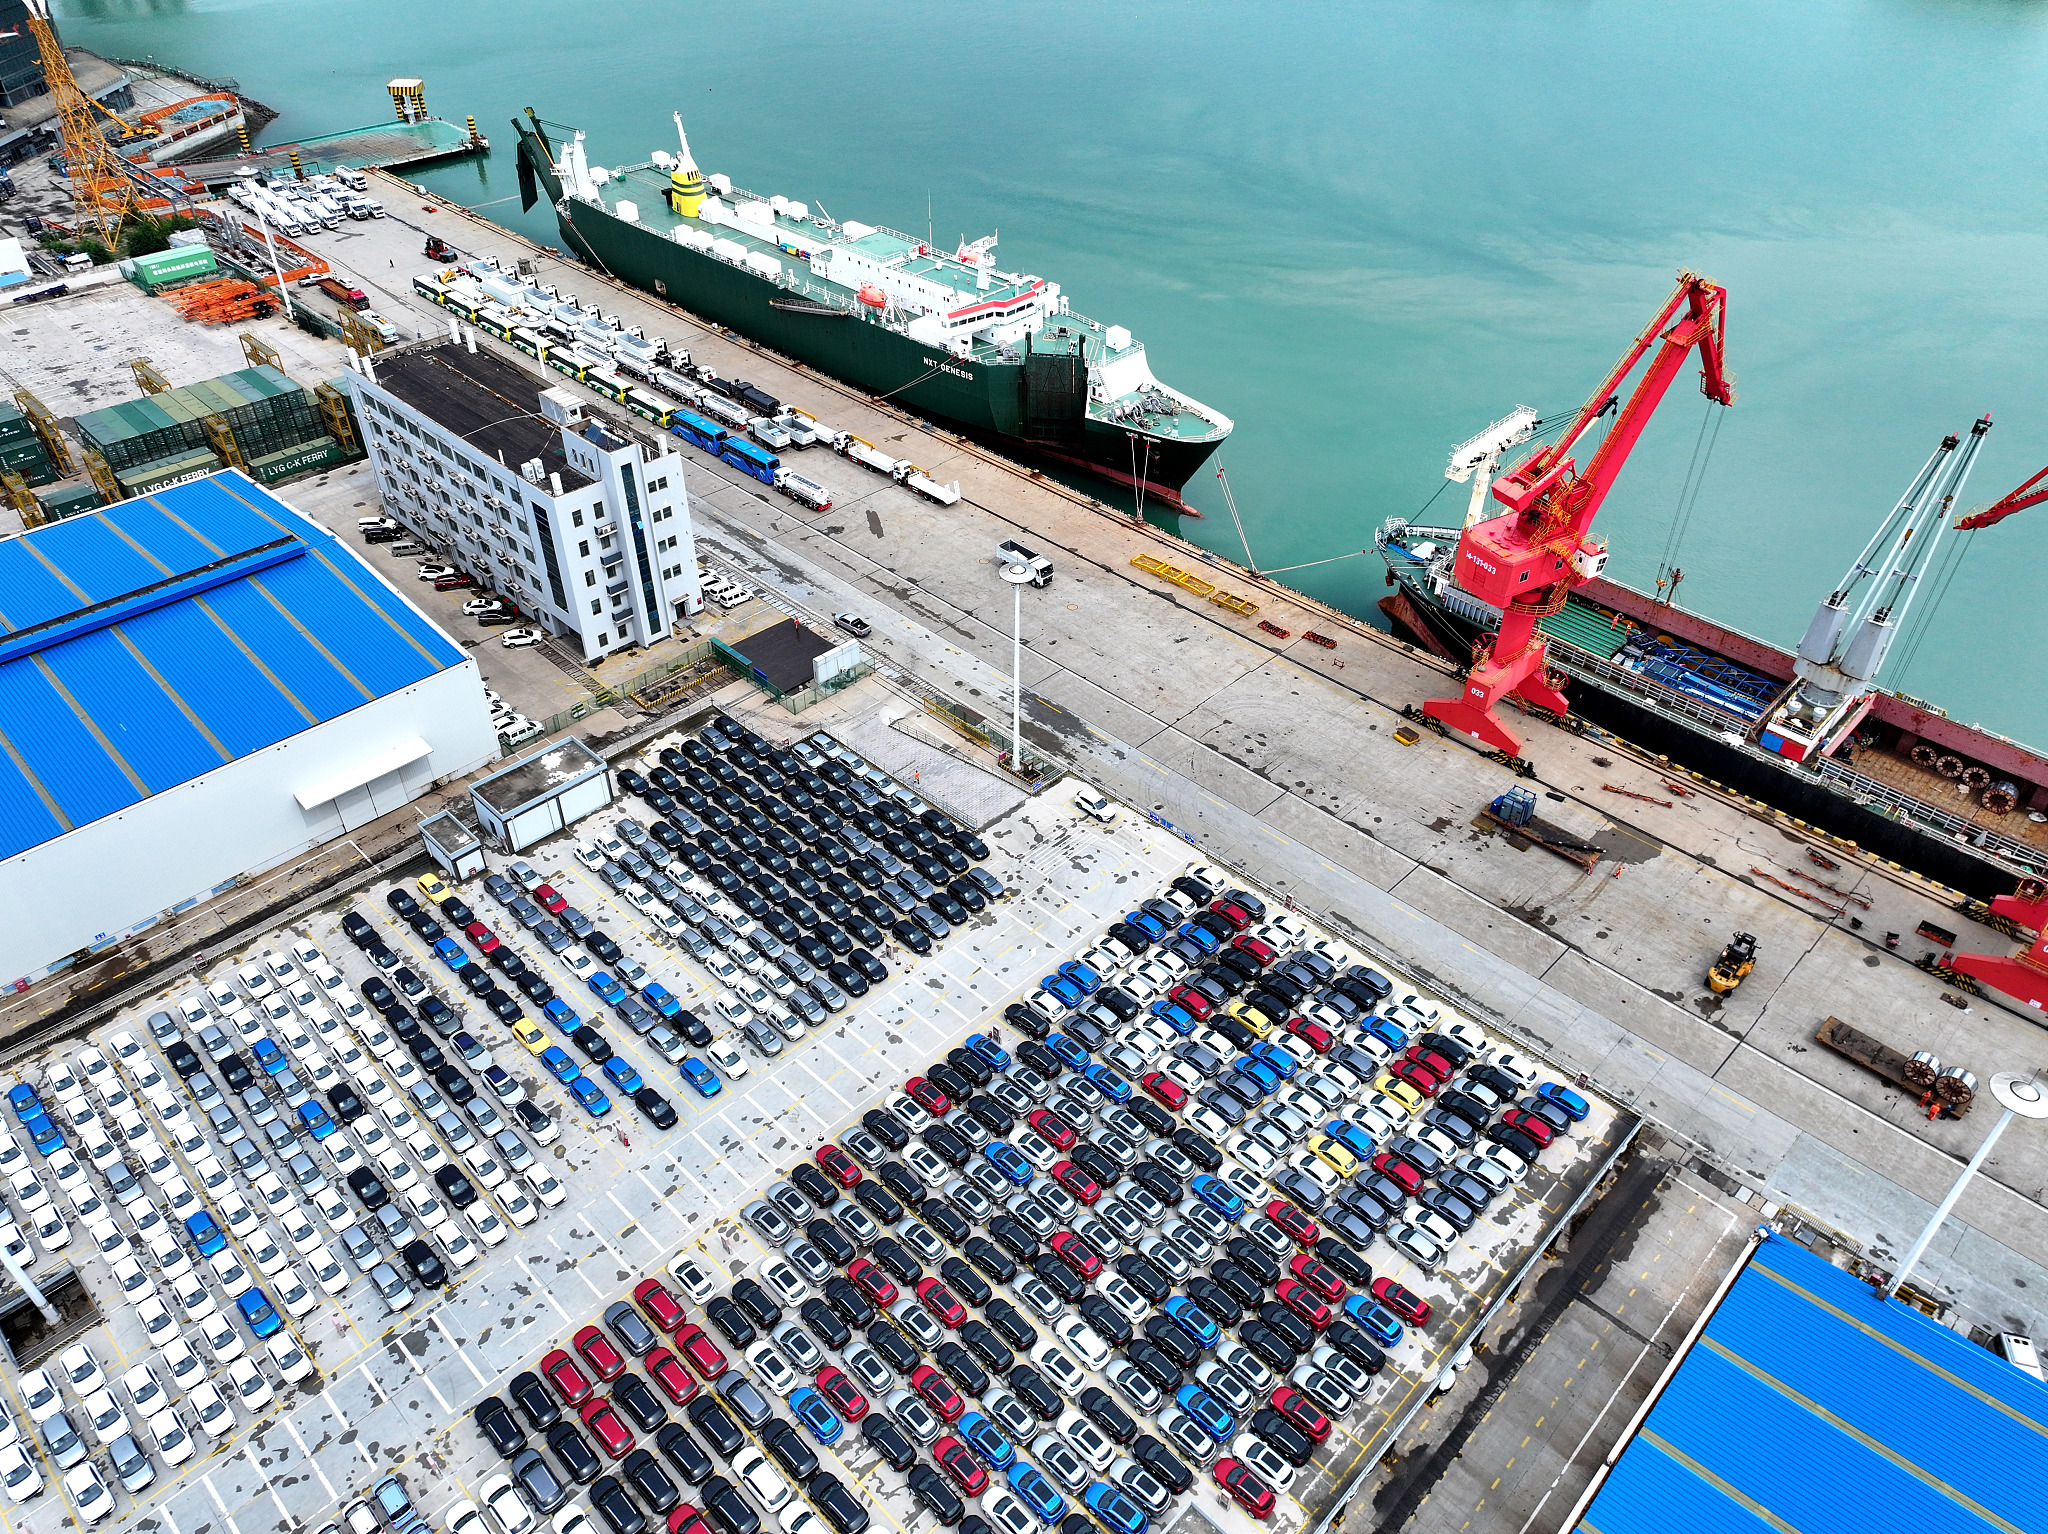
(1285, 753)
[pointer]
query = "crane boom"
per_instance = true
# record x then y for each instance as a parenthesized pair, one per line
(2018, 500)
(1527, 560)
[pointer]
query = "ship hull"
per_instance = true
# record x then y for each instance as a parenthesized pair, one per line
(988, 402)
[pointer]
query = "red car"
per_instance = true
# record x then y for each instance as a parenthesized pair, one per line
(1232, 912)
(702, 1352)
(612, 1435)
(605, 1360)
(838, 1165)
(960, 1466)
(940, 1396)
(568, 1380)
(1530, 1125)
(1053, 1129)
(687, 1520)
(874, 1283)
(1245, 1489)
(1198, 1006)
(1436, 1064)
(485, 939)
(1075, 1253)
(928, 1097)
(1254, 948)
(669, 1373)
(1420, 1077)
(1317, 1276)
(1400, 1168)
(838, 1390)
(660, 1305)
(1299, 1410)
(1301, 1230)
(1076, 1181)
(938, 1299)
(549, 899)
(1164, 1090)
(1405, 1303)
(1314, 1035)
(1301, 1299)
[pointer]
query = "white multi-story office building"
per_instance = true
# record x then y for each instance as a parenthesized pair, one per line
(565, 514)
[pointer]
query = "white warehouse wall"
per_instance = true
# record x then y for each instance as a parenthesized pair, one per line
(121, 872)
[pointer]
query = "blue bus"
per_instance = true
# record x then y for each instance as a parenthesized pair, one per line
(697, 431)
(751, 460)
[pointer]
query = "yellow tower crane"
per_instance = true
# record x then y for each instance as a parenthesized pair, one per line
(100, 188)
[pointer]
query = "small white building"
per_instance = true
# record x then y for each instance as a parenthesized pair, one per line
(196, 687)
(569, 517)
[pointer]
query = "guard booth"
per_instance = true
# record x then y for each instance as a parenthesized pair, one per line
(537, 797)
(453, 845)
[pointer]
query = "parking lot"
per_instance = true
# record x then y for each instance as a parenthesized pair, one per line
(393, 1389)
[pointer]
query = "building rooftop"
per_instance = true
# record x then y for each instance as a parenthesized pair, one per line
(782, 654)
(1808, 1404)
(150, 642)
(567, 761)
(486, 401)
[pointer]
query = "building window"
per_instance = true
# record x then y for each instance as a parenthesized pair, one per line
(622, 631)
(590, 577)
(577, 517)
(596, 608)
(583, 547)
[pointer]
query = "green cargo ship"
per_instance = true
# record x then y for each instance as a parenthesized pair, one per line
(998, 356)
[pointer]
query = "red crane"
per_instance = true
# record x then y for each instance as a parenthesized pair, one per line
(1999, 510)
(1527, 560)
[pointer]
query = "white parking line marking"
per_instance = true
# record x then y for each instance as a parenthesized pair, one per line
(461, 1352)
(163, 1511)
(247, 1453)
(207, 1482)
(290, 1428)
(541, 1287)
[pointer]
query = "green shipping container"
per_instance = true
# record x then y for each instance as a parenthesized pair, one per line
(150, 476)
(69, 500)
(303, 459)
(14, 426)
(178, 264)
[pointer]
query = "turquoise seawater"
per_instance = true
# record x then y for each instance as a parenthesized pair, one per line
(1366, 230)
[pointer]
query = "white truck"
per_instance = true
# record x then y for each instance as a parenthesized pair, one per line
(911, 477)
(804, 491)
(864, 453)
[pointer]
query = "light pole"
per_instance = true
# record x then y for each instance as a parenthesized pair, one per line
(1020, 568)
(2022, 1096)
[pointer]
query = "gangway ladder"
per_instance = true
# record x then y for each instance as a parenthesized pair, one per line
(334, 407)
(45, 427)
(103, 479)
(21, 498)
(147, 378)
(222, 436)
(259, 351)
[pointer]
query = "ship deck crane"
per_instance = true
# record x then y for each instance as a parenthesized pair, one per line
(2018, 500)
(101, 186)
(1527, 560)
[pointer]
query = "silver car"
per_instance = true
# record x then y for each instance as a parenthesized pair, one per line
(397, 1293)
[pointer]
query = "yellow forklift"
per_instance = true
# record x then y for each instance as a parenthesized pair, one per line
(1736, 961)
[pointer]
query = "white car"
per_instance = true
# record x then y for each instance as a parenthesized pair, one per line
(763, 1482)
(146, 1392)
(88, 1492)
(247, 1384)
(211, 1412)
(691, 1274)
(545, 1187)
(158, 1326)
(490, 1230)
(237, 1216)
(181, 1366)
(29, 1191)
(292, 1363)
(519, 1209)
(461, 1250)
(723, 1058)
(65, 1172)
(81, 1368)
(173, 1442)
(229, 1271)
(41, 1395)
(503, 1500)
(427, 1154)
(327, 1271)
(19, 1477)
(104, 1413)
(268, 1253)
(1083, 1339)
(193, 1297)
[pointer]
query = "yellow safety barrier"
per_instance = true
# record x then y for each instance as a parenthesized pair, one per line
(1237, 604)
(1174, 573)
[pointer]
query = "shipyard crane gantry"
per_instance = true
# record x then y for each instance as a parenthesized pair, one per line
(101, 189)
(1526, 561)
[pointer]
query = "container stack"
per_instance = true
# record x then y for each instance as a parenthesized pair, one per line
(68, 500)
(21, 450)
(168, 268)
(160, 439)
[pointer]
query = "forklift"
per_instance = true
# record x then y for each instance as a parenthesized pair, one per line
(1736, 961)
(439, 249)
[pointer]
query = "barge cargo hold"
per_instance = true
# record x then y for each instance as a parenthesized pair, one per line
(998, 356)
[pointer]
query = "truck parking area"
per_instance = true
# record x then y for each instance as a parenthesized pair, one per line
(531, 1254)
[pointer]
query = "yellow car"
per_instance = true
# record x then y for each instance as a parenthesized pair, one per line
(1251, 1016)
(434, 889)
(1391, 1089)
(526, 1033)
(1337, 1157)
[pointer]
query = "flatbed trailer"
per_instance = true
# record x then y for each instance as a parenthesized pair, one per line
(1551, 838)
(1921, 1075)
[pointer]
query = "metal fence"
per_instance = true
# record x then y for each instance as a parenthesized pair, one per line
(653, 687)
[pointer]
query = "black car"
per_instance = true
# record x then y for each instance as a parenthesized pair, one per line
(454, 1085)
(601, 946)
(880, 1122)
(455, 1187)
(1355, 1345)
(651, 1484)
(990, 1114)
(1497, 1080)
(953, 1082)
(1515, 1140)
(1447, 1204)
(608, 1498)
(1101, 1409)
(936, 1493)
(990, 1260)
(841, 1508)
(848, 1301)
(494, 1419)
(684, 1453)
(1266, 1345)
(986, 1346)
(1030, 1387)
(895, 1348)
(507, 962)
(1345, 1261)
(711, 1419)
(896, 1259)
(1217, 1302)
(596, 1048)
(655, 1108)
(632, 1396)
(183, 1057)
(425, 1264)
(1157, 1181)
(429, 1054)
(1288, 1441)
(1014, 1238)
(1234, 1281)
(788, 1449)
(476, 979)
(948, 1144)
(1143, 1276)
(1011, 1323)
(754, 1300)
(829, 1239)
(1194, 1147)
(822, 1323)
(369, 1192)
(1057, 1276)
(1172, 1341)
(573, 1453)
(945, 1220)
(1154, 1364)
(1290, 1328)
(1105, 1318)
(535, 1401)
(902, 1182)
(1097, 1163)
(235, 1074)
(1164, 1464)
(731, 1321)
(346, 1105)
(538, 1483)
(1026, 1020)
(880, 1202)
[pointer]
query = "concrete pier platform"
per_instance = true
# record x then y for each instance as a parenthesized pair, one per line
(1280, 756)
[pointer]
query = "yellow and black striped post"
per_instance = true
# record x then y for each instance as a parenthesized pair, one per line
(298, 170)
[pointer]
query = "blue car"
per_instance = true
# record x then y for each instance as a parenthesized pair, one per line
(608, 990)
(1218, 1195)
(315, 1118)
(622, 1075)
(270, 1057)
(1352, 1138)
(1147, 923)
(1036, 1492)
(1082, 976)
(818, 1419)
(1201, 1328)
(661, 998)
(47, 1136)
(24, 1100)
(206, 1236)
(1275, 1056)
(559, 1065)
(998, 1058)
(1008, 1160)
(1115, 1511)
(450, 953)
(262, 1318)
(1072, 1055)
(1108, 1083)
(1574, 1106)
(587, 1092)
(1207, 1411)
(1175, 1016)
(700, 1076)
(1068, 993)
(561, 1014)
(1377, 1322)
(989, 1446)
(1201, 937)
(1258, 1073)
(1393, 1035)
